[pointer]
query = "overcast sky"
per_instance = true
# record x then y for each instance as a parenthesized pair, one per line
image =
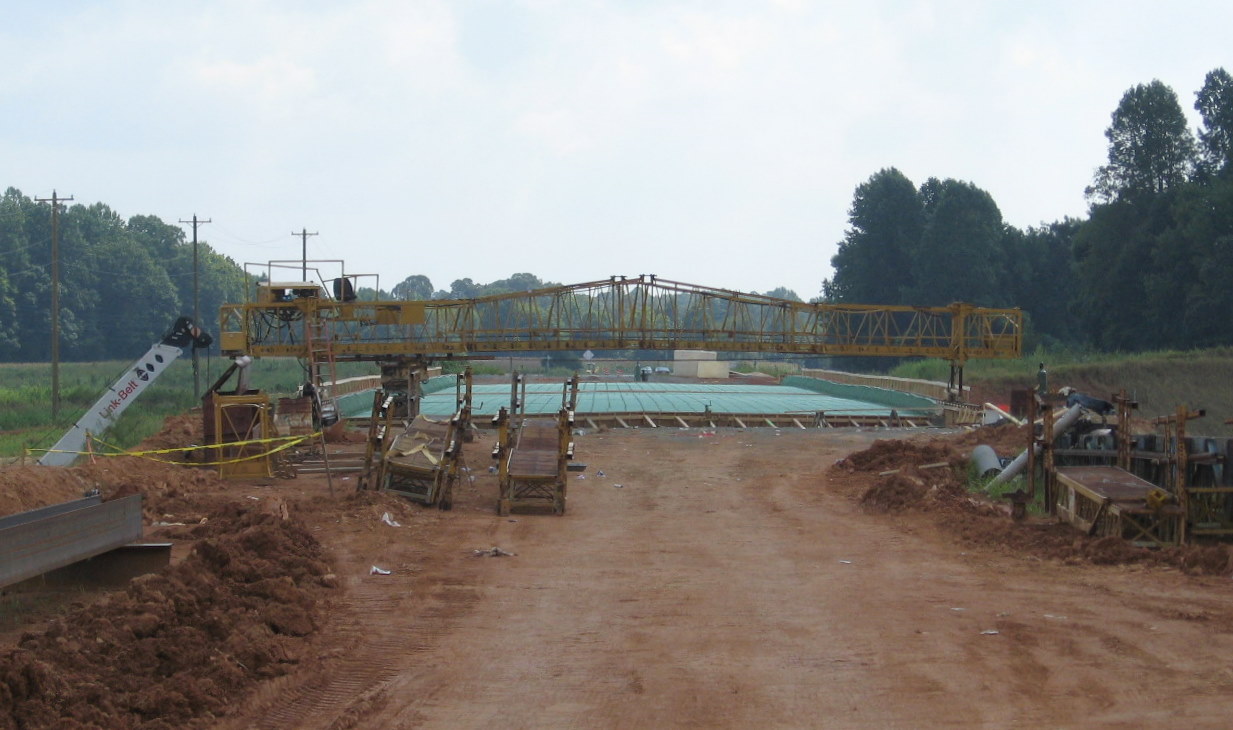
(716, 143)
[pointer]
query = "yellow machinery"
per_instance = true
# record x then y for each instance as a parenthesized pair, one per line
(290, 319)
(307, 320)
(232, 422)
(533, 454)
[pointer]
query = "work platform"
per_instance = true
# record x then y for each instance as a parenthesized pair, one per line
(1107, 501)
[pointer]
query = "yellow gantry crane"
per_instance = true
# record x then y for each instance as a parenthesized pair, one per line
(644, 312)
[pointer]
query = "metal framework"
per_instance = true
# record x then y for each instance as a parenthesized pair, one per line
(534, 454)
(619, 313)
(423, 462)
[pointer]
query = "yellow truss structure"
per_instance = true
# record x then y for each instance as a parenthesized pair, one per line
(619, 313)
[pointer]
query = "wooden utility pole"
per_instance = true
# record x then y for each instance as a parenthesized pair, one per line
(55, 201)
(196, 303)
(303, 234)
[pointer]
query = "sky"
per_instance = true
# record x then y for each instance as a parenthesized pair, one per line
(711, 142)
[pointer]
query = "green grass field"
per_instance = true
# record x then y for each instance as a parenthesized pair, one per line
(1159, 381)
(25, 396)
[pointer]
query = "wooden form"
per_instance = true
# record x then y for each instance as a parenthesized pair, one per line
(1107, 501)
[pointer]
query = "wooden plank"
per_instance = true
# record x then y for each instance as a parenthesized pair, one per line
(799, 425)
(739, 422)
(592, 425)
(770, 423)
(1100, 512)
(648, 420)
(681, 421)
(923, 467)
(623, 423)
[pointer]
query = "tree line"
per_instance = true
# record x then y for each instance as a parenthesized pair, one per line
(1150, 266)
(122, 282)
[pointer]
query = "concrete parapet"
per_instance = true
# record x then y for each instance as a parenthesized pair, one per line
(928, 388)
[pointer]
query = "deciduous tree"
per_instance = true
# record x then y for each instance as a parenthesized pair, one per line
(1214, 102)
(873, 264)
(1150, 147)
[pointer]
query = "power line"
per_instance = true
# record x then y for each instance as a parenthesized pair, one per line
(55, 201)
(304, 234)
(196, 302)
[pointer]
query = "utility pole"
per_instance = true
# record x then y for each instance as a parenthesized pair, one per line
(55, 201)
(196, 303)
(304, 234)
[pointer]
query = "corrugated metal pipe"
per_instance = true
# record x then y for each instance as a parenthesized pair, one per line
(1062, 425)
(986, 461)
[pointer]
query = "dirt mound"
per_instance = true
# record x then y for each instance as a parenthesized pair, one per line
(892, 454)
(167, 489)
(887, 478)
(29, 487)
(178, 432)
(26, 487)
(1006, 439)
(176, 649)
(919, 489)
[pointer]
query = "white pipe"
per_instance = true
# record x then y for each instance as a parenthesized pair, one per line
(1062, 425)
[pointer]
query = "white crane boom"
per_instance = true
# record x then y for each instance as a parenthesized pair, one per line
(106, 411)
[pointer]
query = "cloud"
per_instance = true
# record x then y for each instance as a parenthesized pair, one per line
(566, 137)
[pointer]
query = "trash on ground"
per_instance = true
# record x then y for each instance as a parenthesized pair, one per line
(389, 520)
(493, 552)
(990, 632)
(846, 562)
(379, 571)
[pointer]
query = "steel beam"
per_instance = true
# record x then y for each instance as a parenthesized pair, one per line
(53, 538)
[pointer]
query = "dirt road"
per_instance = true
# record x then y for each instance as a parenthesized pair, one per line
(720, 581)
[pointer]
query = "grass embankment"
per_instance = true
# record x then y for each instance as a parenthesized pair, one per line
(25, 397)
(1159, 381)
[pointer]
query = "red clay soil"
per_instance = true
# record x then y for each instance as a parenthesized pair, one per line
(698, 579)
(173, 649)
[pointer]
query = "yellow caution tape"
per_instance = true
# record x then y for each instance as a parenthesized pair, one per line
(117, 451)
